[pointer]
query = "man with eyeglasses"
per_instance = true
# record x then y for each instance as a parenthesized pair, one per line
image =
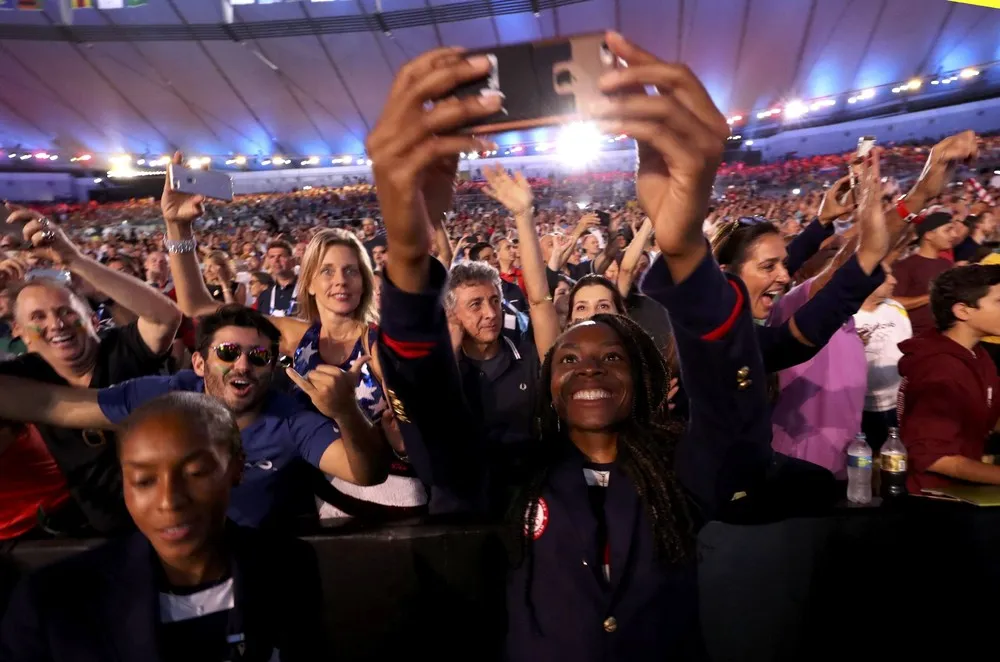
(65, 348)
(235, 362)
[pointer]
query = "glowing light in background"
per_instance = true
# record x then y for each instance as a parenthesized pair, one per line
(578, 143)
(795, 109)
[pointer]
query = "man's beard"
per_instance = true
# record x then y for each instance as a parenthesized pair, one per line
(217, 386)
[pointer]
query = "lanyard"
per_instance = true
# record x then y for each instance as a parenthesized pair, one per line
(291, 305)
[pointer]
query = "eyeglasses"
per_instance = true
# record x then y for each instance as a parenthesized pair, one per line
(230, 352)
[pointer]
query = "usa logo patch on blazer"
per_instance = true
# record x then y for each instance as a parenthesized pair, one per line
(537, 527)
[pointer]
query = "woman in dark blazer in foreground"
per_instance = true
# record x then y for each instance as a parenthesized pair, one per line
(603, 564)
(189, 586)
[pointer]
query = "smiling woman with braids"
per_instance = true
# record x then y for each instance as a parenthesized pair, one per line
(606, 521)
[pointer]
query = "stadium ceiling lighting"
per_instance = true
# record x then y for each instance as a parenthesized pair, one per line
(53, 157)
(120, 159)
(969, 73)
(25, 156)
(359, 162)
(42, 155)
(98, 180)
(795, 109)
(241, 160)
(265, 162)
(748, 143)
(12, 156)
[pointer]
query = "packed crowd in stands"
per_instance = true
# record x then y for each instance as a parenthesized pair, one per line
(504, 345)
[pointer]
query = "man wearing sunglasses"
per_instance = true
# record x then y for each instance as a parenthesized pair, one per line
(235, 362)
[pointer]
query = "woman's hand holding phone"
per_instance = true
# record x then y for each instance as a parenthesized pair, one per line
(681, 138)
(413, 146)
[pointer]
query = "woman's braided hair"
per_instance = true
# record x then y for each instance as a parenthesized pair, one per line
(647, 441)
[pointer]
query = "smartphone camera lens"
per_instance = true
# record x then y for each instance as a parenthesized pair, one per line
(564, 78)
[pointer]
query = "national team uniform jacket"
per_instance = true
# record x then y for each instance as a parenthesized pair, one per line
(560, 606)
(103, 604)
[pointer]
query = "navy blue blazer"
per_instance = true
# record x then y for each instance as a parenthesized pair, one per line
(103, 604)
(559, 607)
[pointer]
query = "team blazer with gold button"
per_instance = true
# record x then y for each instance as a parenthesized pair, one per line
(560, 604)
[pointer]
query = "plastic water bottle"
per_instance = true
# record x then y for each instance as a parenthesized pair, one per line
(893, 460)
(859, 471)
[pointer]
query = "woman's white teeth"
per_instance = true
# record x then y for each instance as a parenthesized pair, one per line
(61, 338)
(592, 394)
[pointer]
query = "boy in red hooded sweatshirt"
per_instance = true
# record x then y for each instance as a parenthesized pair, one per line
(949, 400)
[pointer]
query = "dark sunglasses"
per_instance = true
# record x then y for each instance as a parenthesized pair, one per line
(230, 352)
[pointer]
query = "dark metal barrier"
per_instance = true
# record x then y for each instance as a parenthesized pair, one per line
(887, 584)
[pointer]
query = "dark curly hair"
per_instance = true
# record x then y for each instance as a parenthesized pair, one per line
(646, 445)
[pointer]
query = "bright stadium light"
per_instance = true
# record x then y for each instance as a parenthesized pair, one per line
(969, 73)
(579, 143)
(795, 110)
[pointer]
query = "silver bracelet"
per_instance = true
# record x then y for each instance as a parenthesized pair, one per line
(179, 246)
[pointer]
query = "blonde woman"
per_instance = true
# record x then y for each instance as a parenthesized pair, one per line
(335, 333)
(220, 280)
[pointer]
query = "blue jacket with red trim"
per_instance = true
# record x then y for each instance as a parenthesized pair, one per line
(444, 441)
(560, 605)
(727, 448)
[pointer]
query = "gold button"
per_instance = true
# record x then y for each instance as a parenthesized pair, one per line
(744, 384)
(743, 373)
(610, 624)
(397, 406)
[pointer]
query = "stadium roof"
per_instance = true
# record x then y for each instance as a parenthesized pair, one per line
(171, 74)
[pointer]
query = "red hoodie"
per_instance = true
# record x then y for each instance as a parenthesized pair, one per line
(949, 401)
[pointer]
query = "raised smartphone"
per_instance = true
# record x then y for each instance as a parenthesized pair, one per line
(541, 83)
(215, 185)
(865, 145)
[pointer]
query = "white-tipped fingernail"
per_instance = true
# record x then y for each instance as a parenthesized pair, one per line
(479, 61)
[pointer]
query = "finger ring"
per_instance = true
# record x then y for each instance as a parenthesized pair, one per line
(44, 222)
(48, 236)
